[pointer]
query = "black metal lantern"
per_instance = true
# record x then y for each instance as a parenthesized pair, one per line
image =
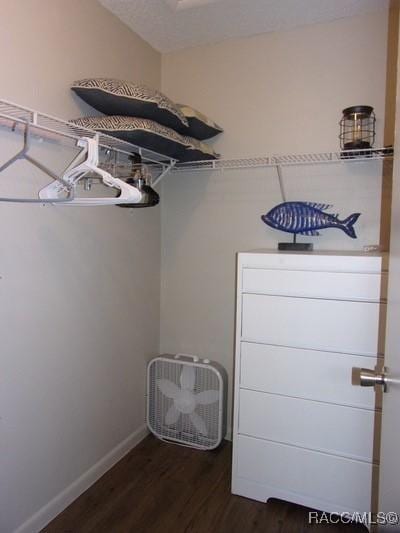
(357, 128)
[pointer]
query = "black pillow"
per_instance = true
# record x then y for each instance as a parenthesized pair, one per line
(200, 126)
(116, 97)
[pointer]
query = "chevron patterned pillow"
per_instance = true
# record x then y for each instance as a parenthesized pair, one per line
(150, 135)
(140, 131)
(200, 126)
(117, 97)
(198, 151)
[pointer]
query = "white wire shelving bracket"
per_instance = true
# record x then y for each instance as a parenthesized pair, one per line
(49, 128)
(350, 156)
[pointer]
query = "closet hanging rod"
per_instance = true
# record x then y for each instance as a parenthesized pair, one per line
(53, 128)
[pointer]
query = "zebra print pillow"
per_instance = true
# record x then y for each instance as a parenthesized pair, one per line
(198, 151)
(200, 126)
(140, 131)
(116, 97)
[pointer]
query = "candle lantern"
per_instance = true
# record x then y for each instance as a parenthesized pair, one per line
(357, 128)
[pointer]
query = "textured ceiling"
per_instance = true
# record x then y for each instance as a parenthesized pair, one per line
(174, 24)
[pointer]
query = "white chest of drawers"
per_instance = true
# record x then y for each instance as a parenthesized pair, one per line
(302, 432)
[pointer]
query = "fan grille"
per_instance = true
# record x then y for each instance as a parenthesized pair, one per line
(206, 378)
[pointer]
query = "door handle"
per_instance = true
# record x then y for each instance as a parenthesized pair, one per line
(366, 377)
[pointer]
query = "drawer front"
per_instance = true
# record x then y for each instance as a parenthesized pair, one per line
(350, 327)
(342, 483)
(336, 285)
(309, 374)
(319, 426)
(315, 261)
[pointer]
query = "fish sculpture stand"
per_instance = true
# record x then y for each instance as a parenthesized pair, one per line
(306, 218)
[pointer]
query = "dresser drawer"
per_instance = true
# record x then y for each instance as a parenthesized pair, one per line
(319, 426)
(338, 483)
(331, 325)
(309, 374)
(335, 285)
(358, 262)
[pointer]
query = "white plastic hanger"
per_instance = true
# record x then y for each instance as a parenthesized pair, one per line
(57, 189)
(24, 154)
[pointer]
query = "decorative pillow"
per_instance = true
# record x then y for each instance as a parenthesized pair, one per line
(140, 131)
(197, 151)
(200, 126)
(116, 97)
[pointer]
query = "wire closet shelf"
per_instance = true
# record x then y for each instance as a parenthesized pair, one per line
(54, 129)
(49, 128)
(349, 156)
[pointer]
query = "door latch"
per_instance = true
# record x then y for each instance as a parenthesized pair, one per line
(366, 377)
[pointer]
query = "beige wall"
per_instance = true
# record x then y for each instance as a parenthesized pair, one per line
(48, 44)
(276, 93)
(284, 91)
(79, 287)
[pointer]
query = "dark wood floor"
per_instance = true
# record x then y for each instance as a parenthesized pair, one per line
(164, 488)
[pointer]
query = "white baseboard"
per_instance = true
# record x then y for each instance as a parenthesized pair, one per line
(54, 507)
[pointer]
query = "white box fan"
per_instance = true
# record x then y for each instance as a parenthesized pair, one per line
(186, 400)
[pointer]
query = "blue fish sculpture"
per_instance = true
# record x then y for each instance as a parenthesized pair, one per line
(306, 218)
